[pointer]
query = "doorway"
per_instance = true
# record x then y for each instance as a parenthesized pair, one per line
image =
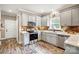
(10, 28)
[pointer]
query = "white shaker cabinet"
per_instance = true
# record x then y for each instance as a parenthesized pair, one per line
(75, 17)
(32, 18)
(54, 39)
(39, 35)
(25, 38)
(38, 21)
(62, 19)
(44, 21)
(48, 20)
(60, 41)
(51, 38)
(65, 18)
(43, 36)
(70, 16)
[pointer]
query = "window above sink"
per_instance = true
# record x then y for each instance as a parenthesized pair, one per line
(55, 23)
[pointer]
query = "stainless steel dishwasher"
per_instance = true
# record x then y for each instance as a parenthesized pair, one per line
(60, 41)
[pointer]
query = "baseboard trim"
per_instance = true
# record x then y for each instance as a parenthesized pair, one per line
(1, 39)
(11, 38)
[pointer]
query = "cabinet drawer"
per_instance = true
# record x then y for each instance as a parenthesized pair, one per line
(52, 40)
(51, 34)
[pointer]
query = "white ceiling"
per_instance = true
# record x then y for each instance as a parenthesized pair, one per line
(36, 8)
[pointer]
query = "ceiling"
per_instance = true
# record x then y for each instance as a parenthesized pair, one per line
(35, 8)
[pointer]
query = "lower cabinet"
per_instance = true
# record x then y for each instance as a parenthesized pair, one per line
(43, 36)
(60, 41)
(50, 38)
(25, 38)
(55, 39)
(39, 35)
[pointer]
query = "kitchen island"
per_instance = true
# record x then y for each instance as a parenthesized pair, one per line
(72, 45)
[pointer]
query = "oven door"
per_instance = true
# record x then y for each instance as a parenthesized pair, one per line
(33, 36)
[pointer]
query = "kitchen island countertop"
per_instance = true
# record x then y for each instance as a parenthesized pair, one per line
(73, 40)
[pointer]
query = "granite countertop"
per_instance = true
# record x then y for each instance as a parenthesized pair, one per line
(73, 40)
(57, 32)
(47, 31)
(24, 32)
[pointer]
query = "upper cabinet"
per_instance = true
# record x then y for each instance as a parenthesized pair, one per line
(44, 21)
(38, 21)
(75, 17)
(24, 18)
(70, 17)
(32, 18)
(48, 20)
(65, 18)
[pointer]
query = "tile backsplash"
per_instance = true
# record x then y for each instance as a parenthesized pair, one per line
(71, 29)
(24, 28)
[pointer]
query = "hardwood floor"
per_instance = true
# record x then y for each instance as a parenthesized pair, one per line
(11, 47)
(51, 48)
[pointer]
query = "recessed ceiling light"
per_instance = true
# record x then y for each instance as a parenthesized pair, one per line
(52, 9)
(10, 10)
(42, 11)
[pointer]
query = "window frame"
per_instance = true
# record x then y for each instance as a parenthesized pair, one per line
(52, 23)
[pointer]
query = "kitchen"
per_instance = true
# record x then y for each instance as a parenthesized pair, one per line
(39, 29)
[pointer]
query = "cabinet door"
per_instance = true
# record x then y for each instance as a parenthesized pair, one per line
(39, 35)
(68, 17)
(48, 20)
(65, 18)
(75, 17)
(38, 21)
(44, 36)
(32, 18)
(24, 19)
(26, 39)
(44, 21)
(60, 41)
(51, 38)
